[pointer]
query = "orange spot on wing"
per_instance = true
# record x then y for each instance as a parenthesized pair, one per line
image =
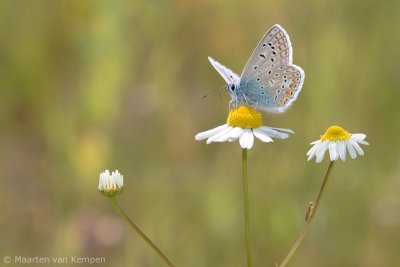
(289, 93)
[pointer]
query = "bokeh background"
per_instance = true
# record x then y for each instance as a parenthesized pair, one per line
(92, 85)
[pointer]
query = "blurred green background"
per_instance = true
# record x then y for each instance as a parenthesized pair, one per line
(92, 85)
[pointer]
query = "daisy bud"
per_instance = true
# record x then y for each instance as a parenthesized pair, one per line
(111, 185)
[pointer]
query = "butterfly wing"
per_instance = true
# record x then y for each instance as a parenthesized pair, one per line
(229, 76)
(273, 49)
(269, 79)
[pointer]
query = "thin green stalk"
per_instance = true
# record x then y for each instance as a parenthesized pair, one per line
(312, 212)
(137, 230)
(246, 205)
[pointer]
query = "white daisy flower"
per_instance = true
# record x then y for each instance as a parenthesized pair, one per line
(111, 184)
(337, 141)
(243, 123)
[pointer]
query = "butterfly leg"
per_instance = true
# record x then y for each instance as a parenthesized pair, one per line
(249, 102)
(246, 99)
(255, 105)
(232, 104)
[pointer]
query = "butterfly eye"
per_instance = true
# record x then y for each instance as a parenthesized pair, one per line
(233, 87)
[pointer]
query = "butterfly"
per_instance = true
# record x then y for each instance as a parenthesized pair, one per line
(269, 81)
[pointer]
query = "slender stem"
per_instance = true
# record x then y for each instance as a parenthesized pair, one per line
(317, 202)
(246, 205)
(137, 230)
(312, 212)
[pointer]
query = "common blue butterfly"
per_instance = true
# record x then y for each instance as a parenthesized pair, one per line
(269, 80)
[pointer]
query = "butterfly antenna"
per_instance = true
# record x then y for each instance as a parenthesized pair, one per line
(221, 98)
(213, 92)
(220, 91)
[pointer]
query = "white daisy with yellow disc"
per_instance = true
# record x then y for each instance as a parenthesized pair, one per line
(243, 123)
(338, 141)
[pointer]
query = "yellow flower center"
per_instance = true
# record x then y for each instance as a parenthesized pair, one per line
(245, 117)
(335, 133)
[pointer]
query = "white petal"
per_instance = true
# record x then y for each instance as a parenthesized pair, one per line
(314, 147)
(320, 158)
(352, 152)
(207, 134)
(262, 136)
(242, 139)
(104, 176)
(332, 151)
(246, 140)
(273, 133)
(219, 134)
(120, 179)
(320, 151)
(281, 136)
(310, 156)
(362, 142)
(357, 147)
(342, 150)
(268, 129)
(250, 141)
(311, 152)
(284, 130)
(235, 133)
(225, 137)
(359, 138)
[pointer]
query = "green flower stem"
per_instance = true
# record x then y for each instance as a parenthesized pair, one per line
(246, 205)
(312, 211)
(137, 230)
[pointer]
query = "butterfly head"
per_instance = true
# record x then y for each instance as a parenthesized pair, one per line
(232, 89)
(232, 79)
